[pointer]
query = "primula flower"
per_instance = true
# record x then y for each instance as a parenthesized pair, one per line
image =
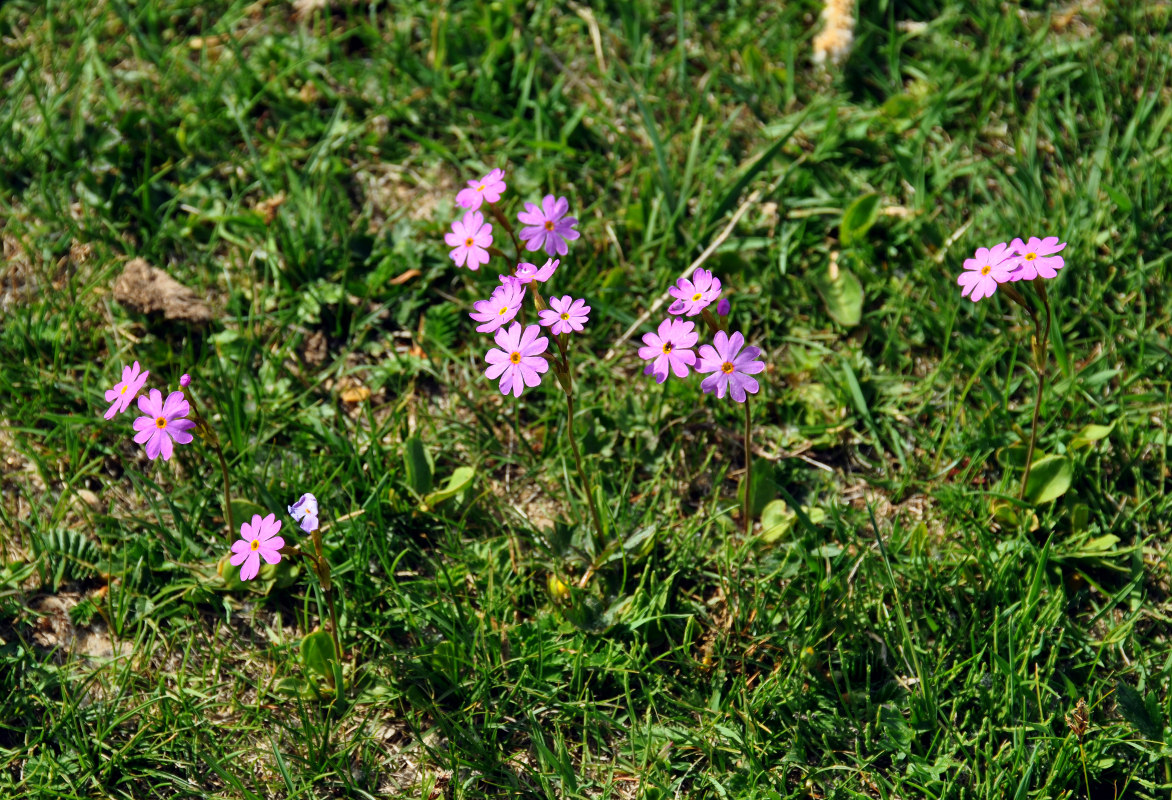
(527, 273)
(548, 227)
(518, 362)
(1037, 258)
(470, 236)
(692, 296)
(258, 540)
(986, 269)
(125, 390)
(565, 314)
(501, 307)
(731, 368)
(487, 188)
(305, 512)
(164, 422)
(669, 349)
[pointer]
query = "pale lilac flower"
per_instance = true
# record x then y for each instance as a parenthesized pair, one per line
(258, 540)
(305, 512)
(184, 381)
(986, 269)
(488, 188)
(518, 362)
(1037, 258)
(501, 307)
(565, 315)
(470, 236)
(723, 307)
(527, 273)
(731, 368)
(120, 397)
(548, 227)
(164, 422)
(692, 296)
(669, 349)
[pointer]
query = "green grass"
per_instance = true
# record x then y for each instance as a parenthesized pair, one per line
(893, 641)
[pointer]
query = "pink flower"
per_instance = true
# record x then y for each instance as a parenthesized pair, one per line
(470, 236)
(1037, 258)
(487, 188)
(988, 268)
(162, 423)
(565, 315)
(730, 367)
(527, 273)
(500, 307)
(125, 390)
(518, 362)
(546, 226)
(305, 512)
(692, 296)
(258, 540)
(669, 349)
(184, 381)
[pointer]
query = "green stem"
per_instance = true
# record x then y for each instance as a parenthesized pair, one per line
(323, 575)
(582, 473)
(1042, 336)
(211, 438)
(748, 468)
(496, 212)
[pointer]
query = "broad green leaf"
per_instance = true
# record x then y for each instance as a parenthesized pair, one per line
(1142, 712)
(419, 466)
(1090, 434)
(243, 511)
(317, 653)
(858, 219)
(1014, 455)
(842, 293)
(458, 481)
(1049, 479)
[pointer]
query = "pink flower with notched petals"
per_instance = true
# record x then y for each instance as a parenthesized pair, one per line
(518, 362)
(527, 273)
(669, 349)
(565, 314)
(1036, 257)
(500, 307)
(257, 540)
(548, 227)
(988, 267)
(469, 237)
(730, 367)
(693, 296)
(120, 397)
(488, 189)
(305, 512)
(162, 423)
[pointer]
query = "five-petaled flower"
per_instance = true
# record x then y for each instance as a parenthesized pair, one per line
(730, 367)
(469, 237)
(518, 362)
(488, 189)
(501, 307)
(548, 227)
(527, 273)
(988, 267)
(669, 349)
(257, 540)
(1036, 257)
(162, 423)
(692, 296)
(305, 512)
(565, 314)
(120, 397)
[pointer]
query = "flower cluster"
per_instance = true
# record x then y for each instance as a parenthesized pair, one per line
(164, 422)
(727, 363)
(1006, 263)
(519, 359)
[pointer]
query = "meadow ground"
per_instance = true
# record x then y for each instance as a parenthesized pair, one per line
(896, 625)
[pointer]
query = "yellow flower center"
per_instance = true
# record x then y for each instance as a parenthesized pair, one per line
(504, 310)
(515, 356)
(985, 269)
(160, 422)
(696, 297)
(480, 188)
(727, 368)
(1030, 256)
(667, 347)
(468, 242)
(123, 390)
(255, 544)
(548, 225)
(565, 316)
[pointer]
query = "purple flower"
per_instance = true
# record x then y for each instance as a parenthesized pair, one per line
(985, 270)
(565, 314)
(470, 236)
(258, 540)
(125, 390)
(546, 226)
(723, 307)
(487, 188)
(731, 368)
(518, 362)
(1037, 258)
(184, 381)
(669, 349)
(305, 512)
(501, 307)
(694, 295)
(164, 422)
(527, 273)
